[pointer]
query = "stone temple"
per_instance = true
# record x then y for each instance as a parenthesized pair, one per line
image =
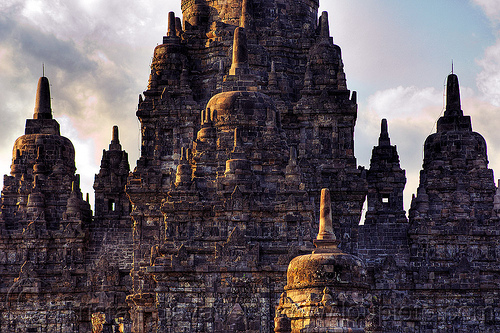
(243, 211)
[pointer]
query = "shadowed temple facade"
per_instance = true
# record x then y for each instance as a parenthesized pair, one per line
(243, 212)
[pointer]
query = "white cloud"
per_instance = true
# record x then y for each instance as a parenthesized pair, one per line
(491, 8)
(85, 147)
(404, 101)
(488, 80)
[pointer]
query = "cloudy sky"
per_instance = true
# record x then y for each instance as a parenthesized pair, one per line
(397, 55)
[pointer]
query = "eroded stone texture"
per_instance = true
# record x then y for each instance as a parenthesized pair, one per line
(326, 291)
(448, 280)
(454, 229)
(43, 231)
(109, 256)
(385, 229)
(246, 117)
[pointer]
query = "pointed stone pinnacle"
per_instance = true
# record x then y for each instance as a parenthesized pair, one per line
(324, 25)
(240, 52)
(453, 105)
(384, 139)
(208, 116)
(244, 20)
(178, 26)
(171, 31)
(183, 155)
(293, 155)
(115, 138)
(325, 217)
(326, 242)
(42, 104)
(383, 127)
(237, 138)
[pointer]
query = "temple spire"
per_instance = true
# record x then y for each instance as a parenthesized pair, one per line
(325, 217)
(115, 141)
(245, 16)
(384, 139)
(43, 109)
(171, 31)
(324, 25)
(238, 142)
(326, 242)
(115, 138)
(178, 26)
(240, 53)
(453, 105)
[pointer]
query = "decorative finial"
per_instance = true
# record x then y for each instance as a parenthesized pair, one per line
(325, 217)
(293, 154)
(208, 116)
(43, 69)
(171, 25)
(43, 109)
(240, 53)
(451, 66)
(115, 138)
(237, 138)
(178, 26)
(324, 25)
(183, 155)
(384, 139)
(383, 127)
(453, 105)
(326, 242)
(244, 20)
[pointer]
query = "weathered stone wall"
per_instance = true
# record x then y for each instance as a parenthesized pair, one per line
(49, 243)
(205, 172)
(449, 281)
(246, 117)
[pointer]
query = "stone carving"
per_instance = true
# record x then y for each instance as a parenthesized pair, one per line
(245, 119)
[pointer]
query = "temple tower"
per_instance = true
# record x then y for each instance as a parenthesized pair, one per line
(229, 213)
(455, 160)
(385, 228)
(247, 112)
(44, 223)
(203, 15)
(451, 246)
(109, 259)
(321, 127)
(326, 291)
